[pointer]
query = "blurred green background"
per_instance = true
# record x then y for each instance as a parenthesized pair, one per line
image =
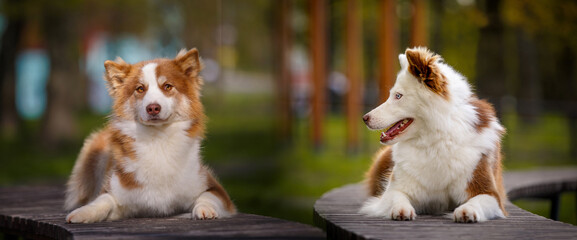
(53, 96)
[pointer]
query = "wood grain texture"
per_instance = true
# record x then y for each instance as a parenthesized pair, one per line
(35, 212)
(336, 212)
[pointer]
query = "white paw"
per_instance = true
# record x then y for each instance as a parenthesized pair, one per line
(466, 214)
(403, 213)
(86, 214)
(382, 207)
(204, 211)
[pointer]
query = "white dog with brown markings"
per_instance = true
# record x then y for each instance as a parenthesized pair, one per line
(444, 150)
(146, 161)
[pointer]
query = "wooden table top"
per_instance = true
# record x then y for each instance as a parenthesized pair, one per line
(336, 212)
(36, 212)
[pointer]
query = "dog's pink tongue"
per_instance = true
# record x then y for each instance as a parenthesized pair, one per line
(389, 135)
(394, 131)
(385, 137)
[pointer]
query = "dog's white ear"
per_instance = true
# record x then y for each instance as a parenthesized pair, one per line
(189, 62)
(116, 71)
(403, 61)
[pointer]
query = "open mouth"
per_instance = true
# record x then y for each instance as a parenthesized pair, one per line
(395, 130)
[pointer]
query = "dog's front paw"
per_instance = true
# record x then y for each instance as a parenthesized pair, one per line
(204, 212)
(403, 213)
(465, 214)
(86, 214)
(382, 207)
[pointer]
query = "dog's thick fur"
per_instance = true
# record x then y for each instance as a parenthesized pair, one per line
(146, 161)
(443, 148)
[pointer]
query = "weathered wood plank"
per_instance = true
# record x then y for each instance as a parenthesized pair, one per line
(336, 212)
(36, 212)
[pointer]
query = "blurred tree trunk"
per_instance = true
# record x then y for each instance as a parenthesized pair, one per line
(567, 63)
(529, 87)
(387, 47)
(64, 83)
(9, 119)
(318, 54)
(490, 64)
(354, 72)
(418, 24)
(282, 68)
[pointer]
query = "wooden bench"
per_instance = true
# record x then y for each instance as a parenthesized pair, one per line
(36, 213)
(336, 213)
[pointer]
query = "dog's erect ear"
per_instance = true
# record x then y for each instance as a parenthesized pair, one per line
(189, 62)
(421, 62)
(116, 71)
(423, 66)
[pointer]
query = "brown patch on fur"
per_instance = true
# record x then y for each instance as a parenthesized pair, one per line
(126, 179)
(125, 92)
(116, 72)
(381, 171)
(422, 65)
(97, 150)
(122, 145)
(189, 84)
(189, 62)
(122, 148)
(191, 65)
(107, 177)
(215, 188)
(88, 172)
(197, 128)
(498, 173)
(485, 112)
(487, 179)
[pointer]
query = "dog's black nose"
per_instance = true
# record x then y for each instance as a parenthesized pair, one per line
(153, 109)
(366, 118)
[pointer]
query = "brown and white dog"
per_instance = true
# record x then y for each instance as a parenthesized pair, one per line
(146, 161)
(444, 148)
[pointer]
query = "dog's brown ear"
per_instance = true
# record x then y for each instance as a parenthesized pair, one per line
(116, 71)
(189, 62)
(423, 66)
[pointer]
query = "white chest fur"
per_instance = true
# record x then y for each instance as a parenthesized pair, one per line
(435, 178)
(167, 167)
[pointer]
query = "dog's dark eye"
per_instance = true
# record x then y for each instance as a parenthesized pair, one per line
(168, 87)
(140, 89)
(398, 96)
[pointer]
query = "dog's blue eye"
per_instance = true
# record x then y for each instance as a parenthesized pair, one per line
(398, 96)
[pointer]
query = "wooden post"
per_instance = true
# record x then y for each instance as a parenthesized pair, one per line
(354, 73)
(284, 86)
(418, 25)
(317, 28)
(388, 47)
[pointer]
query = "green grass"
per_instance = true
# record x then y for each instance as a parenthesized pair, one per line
(26, 160)
(567, 211)
(543, 143)
(269, 176)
